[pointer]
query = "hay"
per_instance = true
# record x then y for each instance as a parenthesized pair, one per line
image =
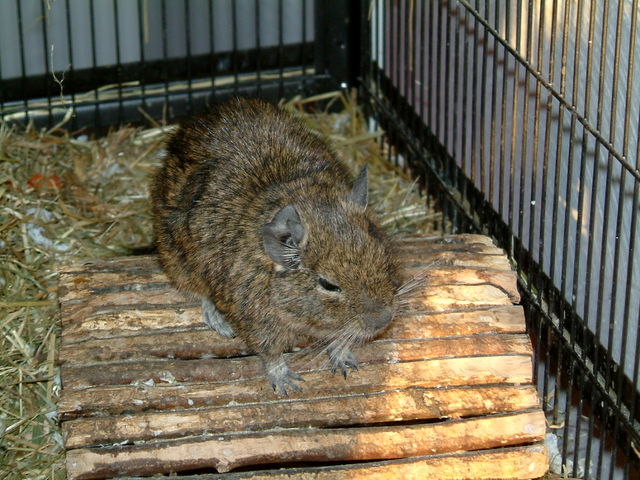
(64, 197)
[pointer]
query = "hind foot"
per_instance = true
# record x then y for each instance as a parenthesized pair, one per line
(215, 320)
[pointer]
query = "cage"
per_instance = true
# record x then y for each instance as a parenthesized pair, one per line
(520, 120)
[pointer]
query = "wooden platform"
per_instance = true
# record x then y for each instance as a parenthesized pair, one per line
(445, 393)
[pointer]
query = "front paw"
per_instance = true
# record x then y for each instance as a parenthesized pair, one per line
(342, 360)
(282, 377)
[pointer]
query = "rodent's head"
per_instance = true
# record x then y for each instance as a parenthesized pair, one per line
(335, 270)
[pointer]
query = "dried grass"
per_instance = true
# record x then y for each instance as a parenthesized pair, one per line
(65, 197)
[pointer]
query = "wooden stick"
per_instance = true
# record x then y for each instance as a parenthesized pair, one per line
(228, 452)
(430, 298)
(446, 240)
(436, 276)
(217, 370)
(425, 249)
(458, 259)
(192, 339)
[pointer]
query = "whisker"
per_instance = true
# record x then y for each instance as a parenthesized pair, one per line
(335, 340)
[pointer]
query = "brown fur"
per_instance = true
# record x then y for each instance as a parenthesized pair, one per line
(225, 176)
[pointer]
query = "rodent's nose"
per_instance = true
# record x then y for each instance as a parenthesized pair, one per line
(380, 318)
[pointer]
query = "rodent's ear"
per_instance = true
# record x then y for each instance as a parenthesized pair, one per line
(360, 193)
(281, 237)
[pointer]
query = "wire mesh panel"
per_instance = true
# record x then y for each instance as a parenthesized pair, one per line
(96, 63)
(522, 118)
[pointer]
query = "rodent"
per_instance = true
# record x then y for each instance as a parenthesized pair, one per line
(256, 216)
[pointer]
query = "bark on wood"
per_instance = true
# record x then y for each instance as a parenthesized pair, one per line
(228, 452)
(431, 297)
(151, 296)
(505, 319)
(511, 462)
(217, 370)
(453, 372)
(412, 259)
(505, 280)
(445, 240)
(414, 403)
(455, 297)
(85, 295)
(423, 248)
(199, 341)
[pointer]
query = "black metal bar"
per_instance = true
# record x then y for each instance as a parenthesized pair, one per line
(457, 97)
(259, 48)
(93, 74)
(303, 40)
(212, 47)
(503, 119)
(474, 105)
(493, 107)
(395, 47)
(432, 115)
(445, 135)
(187, 58)
(592, 222)
(234, 48)
(516, 126)
(2, 83)
(578, 235)
(545, 190)
(45, 62)
(583, 162)
(534, 186)
(467, 126)
(69, 76)
(423, 61)
(483, 89)
(617, 237)
(406, 50)
(116, 28)
(141, 43)
(23, 71)
(165, 52)
(555, 221)
(280, 46)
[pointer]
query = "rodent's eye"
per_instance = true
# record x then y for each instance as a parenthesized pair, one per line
(328, 286)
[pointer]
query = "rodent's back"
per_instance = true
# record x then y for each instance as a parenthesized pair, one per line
(252, 145)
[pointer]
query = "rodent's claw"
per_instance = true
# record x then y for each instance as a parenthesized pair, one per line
(282, 377)
(343, 361)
